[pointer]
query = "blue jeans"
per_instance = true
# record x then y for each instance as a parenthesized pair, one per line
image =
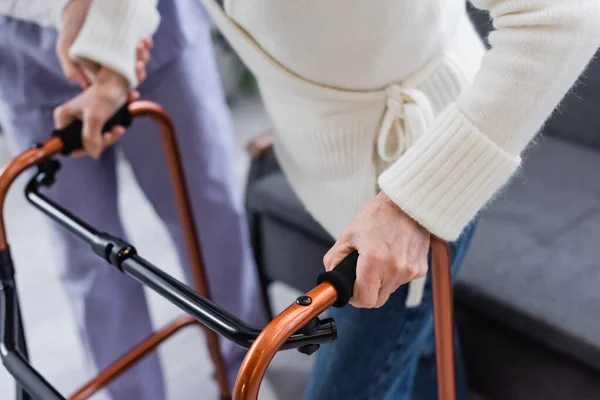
(385, 353)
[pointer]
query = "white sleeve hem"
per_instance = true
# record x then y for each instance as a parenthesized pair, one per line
(448, 175)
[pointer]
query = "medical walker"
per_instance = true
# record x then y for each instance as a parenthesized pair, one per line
(298, 327)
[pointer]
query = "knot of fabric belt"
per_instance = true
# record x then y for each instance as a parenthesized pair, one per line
(407, 117)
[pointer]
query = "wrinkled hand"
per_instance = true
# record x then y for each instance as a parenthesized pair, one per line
(392, 251)
(83, 71)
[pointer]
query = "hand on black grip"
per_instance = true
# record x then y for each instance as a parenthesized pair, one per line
(71, 135)
(342, 278)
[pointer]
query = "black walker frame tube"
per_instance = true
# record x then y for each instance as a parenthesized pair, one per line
(123, 256)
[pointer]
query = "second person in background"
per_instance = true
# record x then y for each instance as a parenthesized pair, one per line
(110, 309)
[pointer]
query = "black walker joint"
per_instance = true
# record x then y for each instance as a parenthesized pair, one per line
(47, 170)
(309, 349)
(113, 249)
(310, 329)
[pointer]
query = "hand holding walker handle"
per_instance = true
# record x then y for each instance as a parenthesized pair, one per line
(71, 135)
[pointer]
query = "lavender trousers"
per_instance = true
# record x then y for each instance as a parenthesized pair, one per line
(110, 308)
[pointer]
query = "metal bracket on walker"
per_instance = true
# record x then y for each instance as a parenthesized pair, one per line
(123, 255)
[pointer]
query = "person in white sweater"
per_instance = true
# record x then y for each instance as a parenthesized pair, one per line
(110, 309)
(392, 124)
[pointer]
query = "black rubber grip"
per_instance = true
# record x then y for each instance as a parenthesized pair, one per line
(342, 278)
(71, 135)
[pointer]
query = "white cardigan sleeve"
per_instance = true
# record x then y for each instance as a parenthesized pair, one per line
(110, 34)
(539, 49)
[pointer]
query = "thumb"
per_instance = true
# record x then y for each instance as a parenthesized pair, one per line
(92, 134)
(74, 71)
(340, 250)
(66, 113)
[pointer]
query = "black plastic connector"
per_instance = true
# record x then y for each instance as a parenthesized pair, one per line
(311, 329)
(47, 170)
(113, 249)
(309, 349)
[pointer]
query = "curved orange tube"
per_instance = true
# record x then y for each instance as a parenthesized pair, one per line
(15, 167)
(274, 336)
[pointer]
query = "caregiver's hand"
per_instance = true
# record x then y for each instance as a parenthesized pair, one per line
(392, 251)
(94, 106)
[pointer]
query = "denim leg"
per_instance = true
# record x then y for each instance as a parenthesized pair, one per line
(378, 351)
(425, 381)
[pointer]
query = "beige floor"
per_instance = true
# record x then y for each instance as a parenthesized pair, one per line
(50, 328)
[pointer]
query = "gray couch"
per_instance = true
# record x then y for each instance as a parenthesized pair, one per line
(528, 297)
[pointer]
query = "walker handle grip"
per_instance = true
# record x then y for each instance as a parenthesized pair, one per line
(342, 277)
(71, 135)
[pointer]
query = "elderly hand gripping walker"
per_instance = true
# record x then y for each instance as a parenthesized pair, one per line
(297, 327)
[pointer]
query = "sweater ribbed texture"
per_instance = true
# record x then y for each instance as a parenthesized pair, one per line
(449, 175)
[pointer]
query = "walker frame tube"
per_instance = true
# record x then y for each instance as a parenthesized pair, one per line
(124, 256)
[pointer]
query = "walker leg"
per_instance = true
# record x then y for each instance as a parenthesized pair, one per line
(186, 218)
(443, 311)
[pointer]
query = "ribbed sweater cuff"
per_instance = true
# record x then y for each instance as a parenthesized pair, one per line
(111, 32)
(448, 175)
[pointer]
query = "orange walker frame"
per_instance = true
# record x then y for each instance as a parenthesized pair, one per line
(296, 327)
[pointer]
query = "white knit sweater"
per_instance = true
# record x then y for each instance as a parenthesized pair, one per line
(400, 96)
(397, 96)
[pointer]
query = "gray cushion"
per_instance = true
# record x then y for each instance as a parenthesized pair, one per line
(577, 118)
(273, 196)
(535, 261)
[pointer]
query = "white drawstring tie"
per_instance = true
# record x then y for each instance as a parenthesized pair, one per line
(408, 116)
